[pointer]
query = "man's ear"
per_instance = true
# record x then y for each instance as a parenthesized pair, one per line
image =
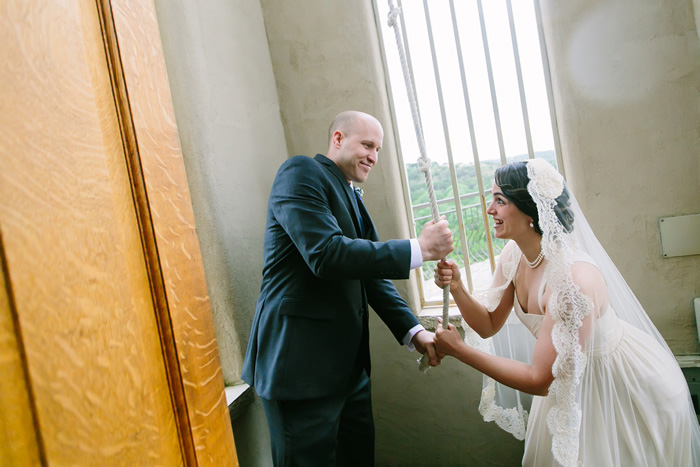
(337, 138)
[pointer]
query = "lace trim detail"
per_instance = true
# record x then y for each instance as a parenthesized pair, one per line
(567, 306)
(511, 420)
(474, 340)
(547, 182)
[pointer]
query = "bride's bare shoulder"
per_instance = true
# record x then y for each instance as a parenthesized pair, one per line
(588, 277)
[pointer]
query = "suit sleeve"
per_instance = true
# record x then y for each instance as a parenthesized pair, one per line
(385, 300)
(300, 203)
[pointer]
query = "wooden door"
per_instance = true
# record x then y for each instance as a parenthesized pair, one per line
(107, 348)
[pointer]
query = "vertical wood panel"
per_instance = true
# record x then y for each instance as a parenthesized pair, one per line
(169, 204)
(73, 247)
(18, 437)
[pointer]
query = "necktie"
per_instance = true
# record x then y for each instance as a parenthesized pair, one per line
(359, 203)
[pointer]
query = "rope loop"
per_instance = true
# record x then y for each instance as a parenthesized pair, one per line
(393, 14)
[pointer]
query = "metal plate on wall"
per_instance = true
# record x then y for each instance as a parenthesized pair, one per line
(680, 235)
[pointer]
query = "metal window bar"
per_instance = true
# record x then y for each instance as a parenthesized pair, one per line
(492, 86)
(521, 87)
(409, 62)
(472, 133)
(448, 147)
(408, 53)
(475, 210)
(416, 207)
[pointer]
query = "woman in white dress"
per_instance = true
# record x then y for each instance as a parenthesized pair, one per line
(607, 389)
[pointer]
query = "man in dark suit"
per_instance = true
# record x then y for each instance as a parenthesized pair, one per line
(308, 354)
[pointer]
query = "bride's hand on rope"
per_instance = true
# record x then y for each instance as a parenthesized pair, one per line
(447, 273)
(435, 240)
(447, 341)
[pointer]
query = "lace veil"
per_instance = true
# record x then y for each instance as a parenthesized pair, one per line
(586, 328)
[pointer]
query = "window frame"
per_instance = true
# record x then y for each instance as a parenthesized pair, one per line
(482, 191)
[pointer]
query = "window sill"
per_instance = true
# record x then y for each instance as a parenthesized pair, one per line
(690, 366)
(429, 315)
(688, 361)
(238, 398)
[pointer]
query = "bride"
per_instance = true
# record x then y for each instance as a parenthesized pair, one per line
(607, 389)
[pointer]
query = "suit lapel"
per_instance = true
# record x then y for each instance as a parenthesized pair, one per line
(345, 187)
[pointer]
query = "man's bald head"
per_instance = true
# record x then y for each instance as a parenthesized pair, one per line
(346, 122)
(355, 141)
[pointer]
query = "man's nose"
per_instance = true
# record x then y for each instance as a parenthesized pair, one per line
(373, 156)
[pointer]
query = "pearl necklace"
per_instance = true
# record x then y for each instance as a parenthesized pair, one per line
(537, 261)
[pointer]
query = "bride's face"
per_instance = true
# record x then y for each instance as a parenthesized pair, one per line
(509, 221)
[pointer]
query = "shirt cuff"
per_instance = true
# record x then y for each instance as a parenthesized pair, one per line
(416, 254)
(407, 339)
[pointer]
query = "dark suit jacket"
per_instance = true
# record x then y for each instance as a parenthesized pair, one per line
(310, 326)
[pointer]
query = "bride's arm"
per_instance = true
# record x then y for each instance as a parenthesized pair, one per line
(533, 378)
(477, 316)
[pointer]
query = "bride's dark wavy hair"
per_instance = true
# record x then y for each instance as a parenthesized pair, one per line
(512, 179)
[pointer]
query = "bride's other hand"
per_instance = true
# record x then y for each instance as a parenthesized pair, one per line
(447, 273)
(447, 341)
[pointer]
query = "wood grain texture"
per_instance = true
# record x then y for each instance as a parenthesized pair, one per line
(169, 204)
(73, 248)
(18, 437)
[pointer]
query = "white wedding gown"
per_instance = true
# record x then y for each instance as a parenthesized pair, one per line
(634, 401)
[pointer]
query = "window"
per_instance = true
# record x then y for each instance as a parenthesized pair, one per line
(482, 85)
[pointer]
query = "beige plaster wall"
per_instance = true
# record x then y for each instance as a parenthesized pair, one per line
(232, 139)
(696, 7)
(626, 75)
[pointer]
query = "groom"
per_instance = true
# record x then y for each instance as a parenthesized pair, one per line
(308, 353)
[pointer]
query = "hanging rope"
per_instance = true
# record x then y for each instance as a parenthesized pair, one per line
(423, 161)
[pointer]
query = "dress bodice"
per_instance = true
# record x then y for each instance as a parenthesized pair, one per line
(532, 321)
(607, 332)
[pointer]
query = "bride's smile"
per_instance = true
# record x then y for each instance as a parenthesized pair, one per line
(509, 221)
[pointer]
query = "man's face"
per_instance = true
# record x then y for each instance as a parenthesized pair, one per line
(357, 150)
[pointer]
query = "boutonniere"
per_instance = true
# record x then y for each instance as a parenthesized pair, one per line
(360, 192)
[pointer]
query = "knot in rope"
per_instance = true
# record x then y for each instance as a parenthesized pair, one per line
(424, 165)
(393, 14)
